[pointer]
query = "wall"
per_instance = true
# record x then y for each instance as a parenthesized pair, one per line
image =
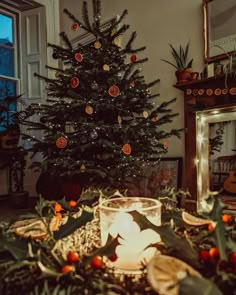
(157, 23)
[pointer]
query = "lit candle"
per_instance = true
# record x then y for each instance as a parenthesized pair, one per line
(134, 244)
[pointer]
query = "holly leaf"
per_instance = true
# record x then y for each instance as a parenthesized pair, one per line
(197, 286)
(170, 239)
(73, 224)
(65, 204)
(175, 215)
(17, 248)
(219, 231)
(107, 250)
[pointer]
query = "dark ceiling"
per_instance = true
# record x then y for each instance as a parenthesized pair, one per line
(21, 5)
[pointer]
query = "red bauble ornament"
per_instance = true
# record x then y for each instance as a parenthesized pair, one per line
(74, 82)
(132, 84)
(61, 142)
(72, 257)
(133, 58)
(126, 149)
(114, 91)
(78, 57)
(74, 26)
(97, 262)
(154, 119)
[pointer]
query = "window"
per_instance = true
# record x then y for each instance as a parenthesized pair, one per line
(8, 67)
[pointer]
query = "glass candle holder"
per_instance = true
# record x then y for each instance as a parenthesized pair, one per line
(134, 244)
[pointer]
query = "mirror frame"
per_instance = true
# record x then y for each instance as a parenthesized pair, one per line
(227, 43)
(203, 119)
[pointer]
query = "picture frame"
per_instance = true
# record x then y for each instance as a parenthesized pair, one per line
(165, 174)
(169, 172)
(219, 34)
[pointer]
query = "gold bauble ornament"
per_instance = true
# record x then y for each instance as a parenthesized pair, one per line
(97, 44)
(145, 114)
(116, 41)
(106, 68)
(89, 110)
(82, 168)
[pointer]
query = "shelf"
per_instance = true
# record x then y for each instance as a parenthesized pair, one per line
(197, 83)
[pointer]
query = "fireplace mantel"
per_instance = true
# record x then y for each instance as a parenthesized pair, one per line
(214, 93)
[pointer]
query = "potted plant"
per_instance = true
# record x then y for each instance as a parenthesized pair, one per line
(182, 65)
(12, 156)
(9, 129)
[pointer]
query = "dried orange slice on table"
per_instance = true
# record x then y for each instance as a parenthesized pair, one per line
(35, 228)
(194, 220)
(164, 272)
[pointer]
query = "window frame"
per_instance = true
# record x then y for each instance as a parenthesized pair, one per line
(16, 77)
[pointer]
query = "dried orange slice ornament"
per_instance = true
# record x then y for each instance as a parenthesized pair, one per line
(114, 91)
(126, 149)
(164, 273)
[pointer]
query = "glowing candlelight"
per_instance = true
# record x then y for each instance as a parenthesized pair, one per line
(134, 247)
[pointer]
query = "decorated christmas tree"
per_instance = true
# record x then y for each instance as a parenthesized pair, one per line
(101, 124)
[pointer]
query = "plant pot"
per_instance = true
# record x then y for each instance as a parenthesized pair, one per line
(9, 138)
(71, 191)
(183, 75)
(19, 200)
(49, 186)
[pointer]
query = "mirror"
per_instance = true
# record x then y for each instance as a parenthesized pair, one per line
(216, 155)
(219, 28)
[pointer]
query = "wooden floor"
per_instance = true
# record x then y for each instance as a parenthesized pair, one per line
(9, 212)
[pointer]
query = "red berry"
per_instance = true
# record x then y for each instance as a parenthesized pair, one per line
(72, 257)
(113, 258)
(67, 268)
(58, 215)
(226, 218)
(214, 252)
(232, 257)
(97, 262)
(57, 207)
(210, 227)
(72, 203)
(204, 255)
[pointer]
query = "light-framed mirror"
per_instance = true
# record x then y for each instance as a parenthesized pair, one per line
(206, 122)
(219, 28)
